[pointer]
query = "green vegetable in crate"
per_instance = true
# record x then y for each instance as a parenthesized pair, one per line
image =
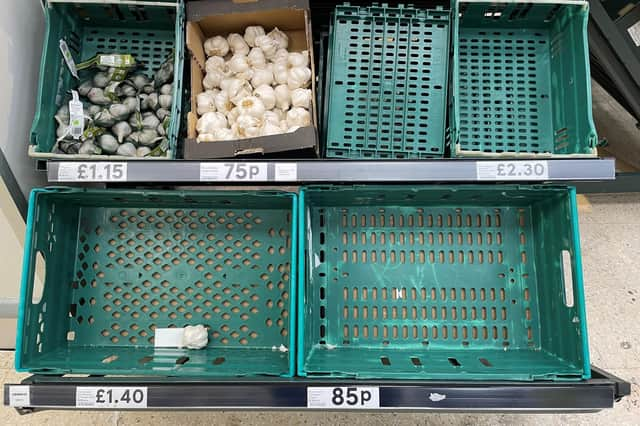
(139, 81)
(164, 73)
(143, 151)
(89, 147)
(162, 114)
(93, 109)
(69, 146)
(121, 130)
(104, 119)
(135, 120)
(127, 149)
(96, 96)
(108, 143)
(150, 121)
(131, 103)
(84, 87)
(101, 80)
(119, 111)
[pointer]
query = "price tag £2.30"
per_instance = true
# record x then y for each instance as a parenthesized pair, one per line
(92, 172)
(512, 170)
(111, 397)
(343, 397)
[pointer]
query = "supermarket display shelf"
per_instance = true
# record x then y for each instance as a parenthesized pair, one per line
(53, 392)
(327, 171)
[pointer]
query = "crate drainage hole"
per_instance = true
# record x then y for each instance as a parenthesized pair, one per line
(485, 362)
(182, 360)
(218, 360)
(416, 361)
(567, 276)
(454, 362)
(39, 278)
(385, 360)
(145, 359)
(110, 359)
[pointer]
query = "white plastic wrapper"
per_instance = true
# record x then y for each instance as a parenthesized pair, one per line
(195, 337)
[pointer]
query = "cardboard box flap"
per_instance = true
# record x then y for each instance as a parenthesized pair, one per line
(197, 10)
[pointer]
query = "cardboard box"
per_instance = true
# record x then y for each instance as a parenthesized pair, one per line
(209, 18)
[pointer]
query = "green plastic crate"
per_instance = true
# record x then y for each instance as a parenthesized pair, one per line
(120, 264)
(387, 82)
(150, 32)
(447, 282)
(521, 84)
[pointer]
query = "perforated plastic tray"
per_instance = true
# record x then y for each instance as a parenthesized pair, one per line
(120, 264)
(521, 82)
(387, 82)
(150, 32)
(463, 282)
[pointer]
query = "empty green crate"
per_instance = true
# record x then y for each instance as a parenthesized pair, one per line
(387, 82)
(150, 32)
(521, 84)
(119, 264)
(448, 282)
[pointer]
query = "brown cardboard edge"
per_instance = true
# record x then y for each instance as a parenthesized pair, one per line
(303, 138)
(197, 10)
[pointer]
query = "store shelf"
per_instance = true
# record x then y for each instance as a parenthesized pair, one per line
(600, 392)
(283, 172)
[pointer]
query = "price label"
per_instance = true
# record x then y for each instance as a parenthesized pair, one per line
(19, 396)
(233, 172)
(92, 172)
(512, 170)
(286, 172)
(111, 397)
(346, 397)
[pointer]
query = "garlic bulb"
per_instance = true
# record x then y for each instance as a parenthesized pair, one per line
(283, 97)
(256, 58)
(284, 126)
(301, 98)
(205, 102)
(281, 39)
(232, 116)
(281, 56)
(299, 117)
(216, 46)
(195, 337)
(237, 44)
(210, 121)
(268, 45)
(165, 101)
(251, 32)
(273, 117)
(270, 128)
(143, 151)
(298, 77)
(238, 63)
(245, 91)
(213, 79)
(251, 106)
(279, 113)
(262, 77)
(298, 59)
(281, 72)
(245, 75)
(101, 80)
(267, 95)
(127, 149)
(223, 134)
(236, 89)
(222, 103)
(215, 63)
(248, 126)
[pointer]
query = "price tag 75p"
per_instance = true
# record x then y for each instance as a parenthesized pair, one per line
(111, 397)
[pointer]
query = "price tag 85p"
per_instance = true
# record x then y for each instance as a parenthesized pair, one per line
(346, 397)
(512, 170)
(92, 172)
(111, 397)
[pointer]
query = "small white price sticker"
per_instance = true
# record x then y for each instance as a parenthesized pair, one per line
(286, 172)
(233, 172)
(19, 396)
(111, 397)
(92, 172)
(346, 397)
(512, 170)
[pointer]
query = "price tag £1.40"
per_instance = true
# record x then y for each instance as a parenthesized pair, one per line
(111, 397)
(92, 172)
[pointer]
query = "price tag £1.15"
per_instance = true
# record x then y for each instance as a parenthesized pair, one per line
(111, 397)
(92, 172)
(345, 397)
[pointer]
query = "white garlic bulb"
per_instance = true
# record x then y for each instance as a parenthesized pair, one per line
(281, 72)
(298, 59)
(301, 98)
(267, 95)
(195, 337)
(213, 79)
(284, 126)
(251, 32)
(216, 46)
(256, 58)
(281, 56)
(270, 128)
(236, 89)
(268, 45)
(237, 44)
(248, 126)
(298, 77)
(232, 116)
(261, 77)
(238, 63)
(299, 117)
(221, 134)
(216, 63)
(283, 97)
(222, 102)
(210, 121)
(245, 91)
(272, 117)
(205, 102)
(245, 75)
(252, 106)
(281, 39)
(279, 113)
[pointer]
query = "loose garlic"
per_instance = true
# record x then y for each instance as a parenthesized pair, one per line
(216, 46)
(236, 89)
(251, 32)
(237, 44)
(281, 56)
(245, 91)
(298, 77)
(222, 102)
(248, 126)
(205, 102)
(215, 63)
(210, 121)
(283, 97)
(252, 106)
(256, 58)
(281, 39)
(273, 117)
(281, 72)
(262, 77)
(299, 117)
(232, 116)
(238, 63)
(268, 45)
(301, 98)
(279, 113)
(270, 128)
(213, 79)
(223, 134)
(267, 95)
(298, 59)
